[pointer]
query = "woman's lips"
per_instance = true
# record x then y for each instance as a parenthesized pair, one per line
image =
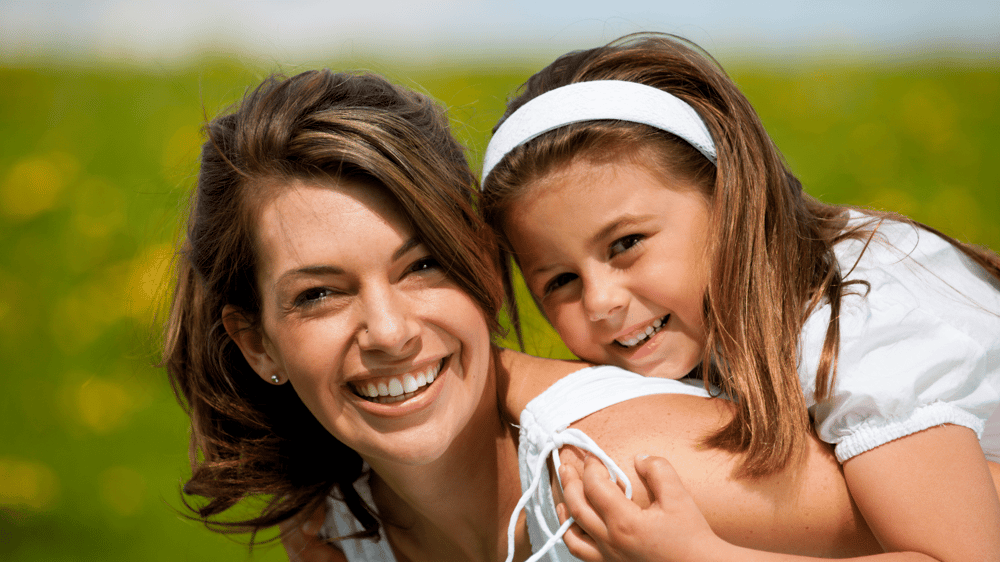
(397, 388)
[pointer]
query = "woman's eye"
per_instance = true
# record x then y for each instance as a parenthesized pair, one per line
(424, 264)
(558, 281)
(313, 296)
(624, 243)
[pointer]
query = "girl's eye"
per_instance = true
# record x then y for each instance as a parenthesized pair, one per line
(624, 243)
(557, 282)
(312, 297)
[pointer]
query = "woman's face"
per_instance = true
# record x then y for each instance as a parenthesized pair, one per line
(388, 353)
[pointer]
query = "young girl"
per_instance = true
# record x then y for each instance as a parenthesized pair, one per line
(659, 230)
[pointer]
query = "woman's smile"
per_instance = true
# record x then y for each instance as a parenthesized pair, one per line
(400, 395)
(396, 388)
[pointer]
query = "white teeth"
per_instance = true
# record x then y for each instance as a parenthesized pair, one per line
(395, 387)
(409, 383)
(643, 335)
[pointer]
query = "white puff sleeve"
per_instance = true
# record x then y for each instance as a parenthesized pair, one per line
(920, 349)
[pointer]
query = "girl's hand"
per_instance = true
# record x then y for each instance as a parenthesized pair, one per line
(302, 543)
(609, 527)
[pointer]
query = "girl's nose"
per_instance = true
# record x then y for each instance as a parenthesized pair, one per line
(603, 298)
(389, 325)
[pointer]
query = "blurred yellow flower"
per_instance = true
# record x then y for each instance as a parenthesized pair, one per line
(33, 185)
(27, 483)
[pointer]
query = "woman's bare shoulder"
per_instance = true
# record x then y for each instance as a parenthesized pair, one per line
(805, 508)
(675, 422)
(524, 377)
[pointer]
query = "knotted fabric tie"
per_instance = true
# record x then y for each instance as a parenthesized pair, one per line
(531, 499)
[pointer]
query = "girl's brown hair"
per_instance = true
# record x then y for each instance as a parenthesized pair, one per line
(250, 438)
(768, 237)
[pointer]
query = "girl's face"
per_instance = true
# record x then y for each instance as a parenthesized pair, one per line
(617, 259)
(388, 353)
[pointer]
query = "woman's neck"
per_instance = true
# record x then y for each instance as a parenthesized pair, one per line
(457, 507)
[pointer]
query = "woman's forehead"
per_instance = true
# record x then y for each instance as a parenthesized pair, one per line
(317, 221)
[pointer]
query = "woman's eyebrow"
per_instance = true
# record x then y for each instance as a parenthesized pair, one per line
(319, 270)
(405, 247)
(307, 271)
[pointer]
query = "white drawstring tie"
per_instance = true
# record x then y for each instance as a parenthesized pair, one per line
(552, 444)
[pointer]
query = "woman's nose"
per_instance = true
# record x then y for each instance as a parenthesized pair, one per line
(389, 324)
(603, 298)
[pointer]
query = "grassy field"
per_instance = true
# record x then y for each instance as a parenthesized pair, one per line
(95, 164)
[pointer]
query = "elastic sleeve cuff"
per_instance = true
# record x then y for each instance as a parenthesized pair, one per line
(879, 432)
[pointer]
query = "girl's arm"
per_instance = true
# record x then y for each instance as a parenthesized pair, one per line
(670, 528)
(929, 492)
(799, 511)
(805, 509)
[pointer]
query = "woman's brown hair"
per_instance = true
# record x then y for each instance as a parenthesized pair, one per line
(253, 439)
(771, 249)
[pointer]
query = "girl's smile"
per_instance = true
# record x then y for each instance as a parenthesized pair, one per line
(616, 258)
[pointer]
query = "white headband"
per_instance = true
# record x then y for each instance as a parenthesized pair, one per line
(594, 100)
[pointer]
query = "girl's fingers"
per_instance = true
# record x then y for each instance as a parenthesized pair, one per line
(660, 477)
(607, 499)
(576, 504)
(581, 545)
(562, 513)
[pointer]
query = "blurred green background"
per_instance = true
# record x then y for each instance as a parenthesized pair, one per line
(95, 166)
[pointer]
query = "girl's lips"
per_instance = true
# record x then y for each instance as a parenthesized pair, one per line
(640, 336)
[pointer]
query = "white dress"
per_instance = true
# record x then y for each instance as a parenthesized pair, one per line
(921, 349)
(544, 427)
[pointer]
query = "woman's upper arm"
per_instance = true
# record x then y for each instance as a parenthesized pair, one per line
(804, 509)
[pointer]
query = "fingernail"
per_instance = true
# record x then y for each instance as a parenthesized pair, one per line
(641, 457)
(308, 527)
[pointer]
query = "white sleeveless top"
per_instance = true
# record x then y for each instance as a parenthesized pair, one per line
(544, 428)
(341, 522)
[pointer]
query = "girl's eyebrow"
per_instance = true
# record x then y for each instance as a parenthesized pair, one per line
(622, 222)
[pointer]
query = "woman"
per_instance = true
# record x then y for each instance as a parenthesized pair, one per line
(331, 331)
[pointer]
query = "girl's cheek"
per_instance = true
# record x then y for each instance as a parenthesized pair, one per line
(564, 326)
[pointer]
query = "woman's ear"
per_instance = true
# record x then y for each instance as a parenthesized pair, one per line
(250, 340)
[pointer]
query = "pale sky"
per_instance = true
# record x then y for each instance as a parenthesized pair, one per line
(171, 29)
